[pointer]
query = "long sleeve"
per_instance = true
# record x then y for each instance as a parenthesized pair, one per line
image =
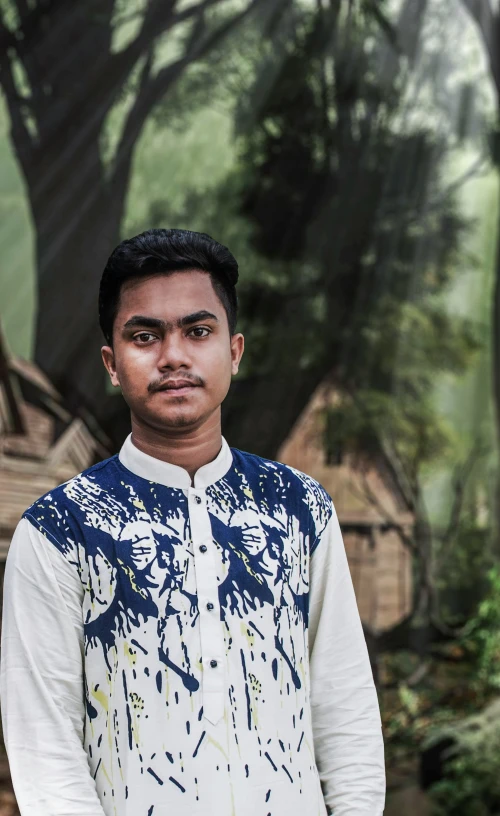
(345, 713)
(41, 682)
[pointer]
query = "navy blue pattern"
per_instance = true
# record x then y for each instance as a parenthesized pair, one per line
(149, 746)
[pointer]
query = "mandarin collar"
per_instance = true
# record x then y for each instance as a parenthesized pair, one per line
(156, 470)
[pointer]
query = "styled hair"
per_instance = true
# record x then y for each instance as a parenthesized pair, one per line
(163, 252)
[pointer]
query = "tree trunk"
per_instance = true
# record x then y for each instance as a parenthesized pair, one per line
(77, 225)
(75, 77)
(496, 373)
(260, 413)
(408, 30)
(487, 20)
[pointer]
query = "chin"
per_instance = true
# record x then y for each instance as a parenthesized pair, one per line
(171, 417)
(180, 422)
(176, 419)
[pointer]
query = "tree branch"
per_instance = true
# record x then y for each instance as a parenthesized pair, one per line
(23, 8)
(123, 158)
(478, 167)
(384, 23)
(413, 679)
(408, 486)
(488, 23)
(20, 134)
(482, 13)
(472, 172)
(159, 18)
(460, 480)
(7, 38)
(154, 89)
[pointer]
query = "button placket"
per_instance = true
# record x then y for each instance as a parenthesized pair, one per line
(212, 640)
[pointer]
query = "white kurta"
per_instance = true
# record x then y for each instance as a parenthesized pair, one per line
(179, 650)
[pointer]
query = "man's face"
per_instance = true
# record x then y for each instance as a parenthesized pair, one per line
(172, 353)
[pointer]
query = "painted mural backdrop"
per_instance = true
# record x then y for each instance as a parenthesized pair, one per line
(347, 151)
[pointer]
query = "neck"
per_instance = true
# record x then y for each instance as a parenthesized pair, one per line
(187, 448)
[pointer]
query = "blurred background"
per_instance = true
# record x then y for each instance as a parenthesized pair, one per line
(347, 151)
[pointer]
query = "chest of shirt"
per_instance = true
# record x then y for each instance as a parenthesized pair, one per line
(213, 592)
(146, 549)
(190, 553)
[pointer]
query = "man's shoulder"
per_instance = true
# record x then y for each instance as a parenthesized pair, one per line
(57, 498)
(285, 475)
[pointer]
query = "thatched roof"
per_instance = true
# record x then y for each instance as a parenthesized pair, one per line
(41, 443)
(371, 505)
(366, 492)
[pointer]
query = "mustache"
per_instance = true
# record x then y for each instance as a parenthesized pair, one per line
(159, 385)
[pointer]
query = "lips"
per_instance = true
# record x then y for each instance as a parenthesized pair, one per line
(178, 386)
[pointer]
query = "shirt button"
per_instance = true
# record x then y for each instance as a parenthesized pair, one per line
(210, 606)
(203, 548)
(213, 664)
(198, 499)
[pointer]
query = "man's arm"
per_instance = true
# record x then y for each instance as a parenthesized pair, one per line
(41, 680)
(345, 713)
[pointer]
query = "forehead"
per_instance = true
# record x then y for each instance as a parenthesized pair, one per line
(169, 297)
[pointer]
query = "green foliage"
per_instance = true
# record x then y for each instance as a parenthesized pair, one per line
(346, 235)
(481, 639)
(471, 784)
(404, 721)
(425, 702)
(474, 789)
(332, 183)
(410, 344)
(327, 207)
(357, 424)
(463, 579)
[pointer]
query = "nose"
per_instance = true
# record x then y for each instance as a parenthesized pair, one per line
(174, 353)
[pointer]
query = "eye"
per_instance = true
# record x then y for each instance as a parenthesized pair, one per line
(200, 331)
(144, 337)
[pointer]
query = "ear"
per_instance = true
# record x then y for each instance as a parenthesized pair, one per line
(108, 358)
(237, 349)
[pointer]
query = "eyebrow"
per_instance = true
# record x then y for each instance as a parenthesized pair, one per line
(196, 317)
(156, 323)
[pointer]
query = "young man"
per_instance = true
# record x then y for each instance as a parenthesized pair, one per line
(180, 632)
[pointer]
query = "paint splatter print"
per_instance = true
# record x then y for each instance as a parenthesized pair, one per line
(195, 610)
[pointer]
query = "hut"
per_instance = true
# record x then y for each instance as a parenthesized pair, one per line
(42, 444)
(371, 509)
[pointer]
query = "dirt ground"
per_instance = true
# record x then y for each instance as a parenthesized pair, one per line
(8, 805)
(404, 797)
(409, 801)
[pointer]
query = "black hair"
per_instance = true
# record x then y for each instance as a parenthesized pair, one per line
(164, 251)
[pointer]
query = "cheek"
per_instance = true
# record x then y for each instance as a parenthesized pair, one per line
(218, 370)
(133, 371)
